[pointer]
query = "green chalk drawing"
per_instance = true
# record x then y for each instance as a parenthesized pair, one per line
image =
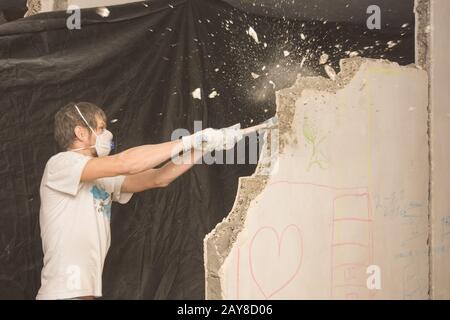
(311, 135)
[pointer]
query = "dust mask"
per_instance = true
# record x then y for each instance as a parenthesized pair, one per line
(103, 142)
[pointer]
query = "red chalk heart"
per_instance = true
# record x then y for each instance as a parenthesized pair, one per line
(276, 261)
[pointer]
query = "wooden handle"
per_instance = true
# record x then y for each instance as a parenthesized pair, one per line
(253, 129)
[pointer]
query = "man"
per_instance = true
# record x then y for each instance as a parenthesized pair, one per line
(79, 184)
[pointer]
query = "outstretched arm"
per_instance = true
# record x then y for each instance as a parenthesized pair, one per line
(161, 177)
(131, 161)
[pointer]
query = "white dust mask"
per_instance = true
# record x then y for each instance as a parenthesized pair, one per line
(103, 142)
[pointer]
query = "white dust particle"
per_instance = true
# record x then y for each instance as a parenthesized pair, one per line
(265, 45)
(303, 62)
(252, 33)
(272, 83)
(302, 36)
(330, 72)
(405, 25)
(103, 12)
(324, 58)
(255, 76)
(391, 44)
(171, 6)
(286, 53)
(114, 120)
(263, 68)
(146, 5)
(213, 94)
(216, 69)
(353, 54)
(197, 94)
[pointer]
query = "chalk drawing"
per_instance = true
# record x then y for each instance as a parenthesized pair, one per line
(276, 259)
(353, 273)
(350, 273)
(310, 133)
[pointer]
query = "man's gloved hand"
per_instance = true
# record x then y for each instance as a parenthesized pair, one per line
(213, 139)
(223, 139)
(196, 140)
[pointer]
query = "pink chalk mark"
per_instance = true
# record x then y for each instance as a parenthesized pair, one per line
(369, 244)
(336, 189)
(284, 284)
(340, 244)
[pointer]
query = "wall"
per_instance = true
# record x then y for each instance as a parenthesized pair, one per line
(351, 191)
(440, 156)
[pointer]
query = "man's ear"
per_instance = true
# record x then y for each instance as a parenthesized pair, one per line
(80, 133)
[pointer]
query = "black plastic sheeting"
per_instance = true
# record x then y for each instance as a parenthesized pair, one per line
(141, 64)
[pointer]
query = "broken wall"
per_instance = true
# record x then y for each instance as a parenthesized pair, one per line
(349, 196)
(440, 155)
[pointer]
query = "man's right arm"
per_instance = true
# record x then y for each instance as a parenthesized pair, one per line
(130, 161)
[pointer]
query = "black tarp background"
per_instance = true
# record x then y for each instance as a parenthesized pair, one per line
(141, 64)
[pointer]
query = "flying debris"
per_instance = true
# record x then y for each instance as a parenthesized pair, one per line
(197, 94)
(330, 72)
(216, 69)
(213, 94)
(102, 11)
(392, 44)
(272, 83)
(302, 36)
(353, 54)
(255, 76)
(114, 120)
(405, 25)
(252, 33)
(286, 53)
(303, 62)
(323, 59)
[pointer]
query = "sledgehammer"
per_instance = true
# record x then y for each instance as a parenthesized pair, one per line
(269, 124)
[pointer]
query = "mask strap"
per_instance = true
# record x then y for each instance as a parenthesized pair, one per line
(82, 148)
(76, 107)
(84, 119)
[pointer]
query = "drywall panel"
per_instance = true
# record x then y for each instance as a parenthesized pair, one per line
(440, 155)
(349, 195)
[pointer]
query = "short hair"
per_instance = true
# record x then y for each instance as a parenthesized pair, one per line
(67, 118)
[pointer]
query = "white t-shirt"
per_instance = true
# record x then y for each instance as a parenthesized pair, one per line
(75, 227)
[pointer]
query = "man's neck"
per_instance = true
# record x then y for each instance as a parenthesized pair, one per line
(85, 152)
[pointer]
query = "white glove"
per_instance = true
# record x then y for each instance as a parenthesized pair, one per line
(222, 139)
(231, 136)
(196, 140)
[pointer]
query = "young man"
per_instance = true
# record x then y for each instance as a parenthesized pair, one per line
(79, 184)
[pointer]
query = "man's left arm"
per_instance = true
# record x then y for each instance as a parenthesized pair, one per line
(161, 177)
